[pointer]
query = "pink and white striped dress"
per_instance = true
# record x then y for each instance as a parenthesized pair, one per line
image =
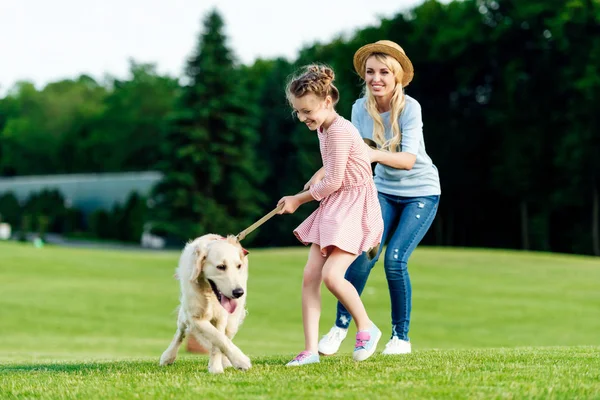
(349, 215)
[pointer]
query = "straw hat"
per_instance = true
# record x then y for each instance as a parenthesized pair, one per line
(386, 47)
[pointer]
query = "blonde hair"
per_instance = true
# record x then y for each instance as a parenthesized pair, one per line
(316, 79)
(397, 105)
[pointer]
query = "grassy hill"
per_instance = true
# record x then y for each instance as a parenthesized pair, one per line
(486, 323)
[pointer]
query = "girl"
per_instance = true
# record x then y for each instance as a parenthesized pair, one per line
(348, 220)
(406, 179)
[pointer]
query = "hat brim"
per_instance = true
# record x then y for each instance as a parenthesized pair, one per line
(362, 54)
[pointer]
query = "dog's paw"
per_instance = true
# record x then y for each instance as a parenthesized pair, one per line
(215, 369)
(241, 362)
(226, 362)
(167, 358)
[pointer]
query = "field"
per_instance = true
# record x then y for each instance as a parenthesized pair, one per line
(79, 323)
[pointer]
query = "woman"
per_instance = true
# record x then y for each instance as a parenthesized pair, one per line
(407, 183)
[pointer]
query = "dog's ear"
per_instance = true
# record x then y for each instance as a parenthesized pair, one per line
(200, 254)
(234, 240)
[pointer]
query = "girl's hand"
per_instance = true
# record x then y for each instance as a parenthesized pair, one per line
(316, 178)
(290, 204)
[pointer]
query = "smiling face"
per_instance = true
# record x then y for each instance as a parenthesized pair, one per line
(311, 110)
(225, 267)
(382, 74)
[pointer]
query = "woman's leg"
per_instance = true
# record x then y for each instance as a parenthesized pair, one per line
(358, 272)
(416, 216)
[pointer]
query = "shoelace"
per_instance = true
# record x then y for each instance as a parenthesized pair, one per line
(360, 344)
(302, 356)
(337, 334)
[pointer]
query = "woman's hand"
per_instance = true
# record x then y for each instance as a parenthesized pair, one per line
(289, 204)
(373, 154)
(316, 178)
(401, 160)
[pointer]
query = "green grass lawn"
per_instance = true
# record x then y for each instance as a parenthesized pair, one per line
(78, 323)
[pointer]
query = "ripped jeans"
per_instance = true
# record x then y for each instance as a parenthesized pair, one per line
(406, 221)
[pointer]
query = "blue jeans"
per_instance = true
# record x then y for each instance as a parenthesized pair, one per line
(406, 221)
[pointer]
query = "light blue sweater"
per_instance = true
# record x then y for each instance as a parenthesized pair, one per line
(423, 179)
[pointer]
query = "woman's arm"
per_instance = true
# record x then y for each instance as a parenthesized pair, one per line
(412, 135)
(402, 160)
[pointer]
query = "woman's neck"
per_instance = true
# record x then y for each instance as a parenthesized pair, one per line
(384, 104)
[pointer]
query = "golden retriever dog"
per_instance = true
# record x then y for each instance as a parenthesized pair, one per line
(213, 272)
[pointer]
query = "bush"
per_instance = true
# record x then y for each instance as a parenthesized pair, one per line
(101, 225)
(129, 219)
(10, 210)
(47, 209)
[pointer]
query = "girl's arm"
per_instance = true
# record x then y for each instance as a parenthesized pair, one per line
(338, 143)
(316, 178)
(291, 203)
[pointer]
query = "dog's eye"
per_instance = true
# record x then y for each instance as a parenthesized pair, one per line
(222, 267)
(239, 266)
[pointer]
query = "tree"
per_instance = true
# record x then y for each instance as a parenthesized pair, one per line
(44, 130)
(127, 137)
(210, 168)
(578, 31)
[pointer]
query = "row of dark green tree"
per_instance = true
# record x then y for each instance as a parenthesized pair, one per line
(47, 211)
(510, 92)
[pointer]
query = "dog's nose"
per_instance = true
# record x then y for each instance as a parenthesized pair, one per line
(237, 293)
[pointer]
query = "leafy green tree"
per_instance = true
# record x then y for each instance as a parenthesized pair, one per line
(42, 133)
(128, 134)
(577, 31)
(211, 172)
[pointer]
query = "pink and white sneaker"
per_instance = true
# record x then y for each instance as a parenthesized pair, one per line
(305, 357)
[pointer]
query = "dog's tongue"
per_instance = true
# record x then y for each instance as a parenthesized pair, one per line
(228, 304)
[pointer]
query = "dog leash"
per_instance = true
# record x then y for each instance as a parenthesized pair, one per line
(371, 253)
(242, 235)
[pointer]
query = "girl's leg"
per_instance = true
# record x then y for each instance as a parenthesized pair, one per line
(358, 272)
(333, 276)
(417, 215)
(311, 297)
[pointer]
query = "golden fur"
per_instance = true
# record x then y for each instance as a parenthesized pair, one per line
(222, 261)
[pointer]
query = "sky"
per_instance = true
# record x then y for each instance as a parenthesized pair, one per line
(44, 41)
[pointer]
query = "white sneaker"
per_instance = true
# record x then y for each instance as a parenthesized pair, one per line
(397, 346)
(330, 343)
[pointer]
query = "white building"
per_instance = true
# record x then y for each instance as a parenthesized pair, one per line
(86, 192)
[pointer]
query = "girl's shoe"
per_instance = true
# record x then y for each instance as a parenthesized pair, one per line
(304, 358)
(397, 346)
(366, 343)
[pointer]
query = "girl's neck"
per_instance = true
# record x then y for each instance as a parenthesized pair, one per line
(384, 104)
(327, 123)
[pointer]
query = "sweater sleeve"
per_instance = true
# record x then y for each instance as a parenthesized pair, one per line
(412, 128)
(337, 145)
